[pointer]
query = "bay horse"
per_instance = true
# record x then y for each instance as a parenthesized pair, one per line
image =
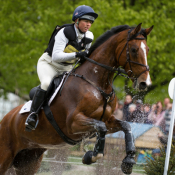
(80, 111)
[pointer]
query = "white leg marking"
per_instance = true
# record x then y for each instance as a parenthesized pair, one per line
(148, 80)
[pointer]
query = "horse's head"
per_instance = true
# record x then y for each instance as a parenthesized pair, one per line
(134, 58)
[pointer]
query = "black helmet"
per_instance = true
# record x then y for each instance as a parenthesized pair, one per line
(84, 12)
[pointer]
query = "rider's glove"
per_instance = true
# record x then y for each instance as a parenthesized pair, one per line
(81, 55)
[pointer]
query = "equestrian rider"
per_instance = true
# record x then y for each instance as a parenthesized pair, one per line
(67, 43)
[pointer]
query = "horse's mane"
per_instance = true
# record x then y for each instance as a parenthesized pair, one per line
(100, 40)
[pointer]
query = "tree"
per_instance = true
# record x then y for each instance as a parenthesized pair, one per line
(26, 27)
(156, 166)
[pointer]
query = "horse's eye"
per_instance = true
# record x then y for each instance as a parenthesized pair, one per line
(133, 50)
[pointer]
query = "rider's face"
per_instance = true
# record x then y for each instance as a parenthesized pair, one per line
(84, 25)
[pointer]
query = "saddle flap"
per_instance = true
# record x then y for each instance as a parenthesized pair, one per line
(51, 89)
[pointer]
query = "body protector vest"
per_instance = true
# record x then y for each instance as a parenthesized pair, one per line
(72, 45)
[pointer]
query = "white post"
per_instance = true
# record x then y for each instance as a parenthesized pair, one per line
(170, 133)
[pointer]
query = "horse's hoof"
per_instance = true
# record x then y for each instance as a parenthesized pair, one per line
(126, 168)
(87, 158)
(127, 164)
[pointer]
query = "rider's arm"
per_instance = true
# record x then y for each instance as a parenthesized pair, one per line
(60, 43)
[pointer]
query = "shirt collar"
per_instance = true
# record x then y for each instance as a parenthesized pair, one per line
(78, 34)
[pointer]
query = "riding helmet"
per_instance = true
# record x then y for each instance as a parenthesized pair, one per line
(84, 12)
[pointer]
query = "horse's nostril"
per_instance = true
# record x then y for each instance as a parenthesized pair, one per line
(142, 85)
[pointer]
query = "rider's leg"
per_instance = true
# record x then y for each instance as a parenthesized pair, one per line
(37, 103)
(46, 70)
(45, 73)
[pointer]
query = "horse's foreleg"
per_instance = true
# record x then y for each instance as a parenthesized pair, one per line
(82, 124)
(115, 125)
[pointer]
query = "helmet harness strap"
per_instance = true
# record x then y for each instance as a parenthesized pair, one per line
(77, 23)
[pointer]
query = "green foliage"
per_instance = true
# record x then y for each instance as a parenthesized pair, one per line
(156, 166)
(26, 27)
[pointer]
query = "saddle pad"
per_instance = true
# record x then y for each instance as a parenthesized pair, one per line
(27, 106)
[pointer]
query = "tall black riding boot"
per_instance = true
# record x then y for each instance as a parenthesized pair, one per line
(38, 100)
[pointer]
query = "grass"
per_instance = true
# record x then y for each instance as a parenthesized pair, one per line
(138, 169)
(76, 167)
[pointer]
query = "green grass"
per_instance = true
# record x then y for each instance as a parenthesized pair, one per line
(137, 168)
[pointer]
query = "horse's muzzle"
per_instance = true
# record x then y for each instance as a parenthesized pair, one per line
(140, 86)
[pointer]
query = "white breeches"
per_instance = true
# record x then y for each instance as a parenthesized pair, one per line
(47, 69)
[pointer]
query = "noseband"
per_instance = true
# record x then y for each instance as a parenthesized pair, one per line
(128, 60)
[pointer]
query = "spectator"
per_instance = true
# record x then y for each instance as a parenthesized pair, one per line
(127, 102)
(118, 113)
(167, 117)
(157, 115)
(138, 114)
(131, 108)
(120, 105)
(164, 138)
(166, 102)
(147, 111)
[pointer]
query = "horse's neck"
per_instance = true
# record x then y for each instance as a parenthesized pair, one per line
(104, 54)
(97, 74)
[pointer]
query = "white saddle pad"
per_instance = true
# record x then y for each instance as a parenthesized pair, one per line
(26, 107)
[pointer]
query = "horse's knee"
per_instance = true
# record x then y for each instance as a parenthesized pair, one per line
(125, 126)
(101, 127)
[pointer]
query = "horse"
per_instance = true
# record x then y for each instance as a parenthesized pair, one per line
(85, 106)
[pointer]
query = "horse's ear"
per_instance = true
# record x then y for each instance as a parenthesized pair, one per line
(136, 30)
(148, 30)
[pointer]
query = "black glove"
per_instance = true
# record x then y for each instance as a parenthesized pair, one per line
(81, 54)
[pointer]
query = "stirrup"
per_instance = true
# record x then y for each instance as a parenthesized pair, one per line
(29, 128)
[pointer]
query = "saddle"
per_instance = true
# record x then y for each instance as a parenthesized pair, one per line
(52, 87)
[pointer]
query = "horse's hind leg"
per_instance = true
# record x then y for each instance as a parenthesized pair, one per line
(115, 125)
(27, 162)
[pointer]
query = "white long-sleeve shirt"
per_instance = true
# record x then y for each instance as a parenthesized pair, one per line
(58, 54)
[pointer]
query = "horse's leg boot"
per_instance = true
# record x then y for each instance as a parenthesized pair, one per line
(128, 161)
(32, 119)
(92, 156)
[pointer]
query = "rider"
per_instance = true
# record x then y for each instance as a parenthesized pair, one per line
(67, 43)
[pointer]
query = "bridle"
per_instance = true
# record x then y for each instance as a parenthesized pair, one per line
(128, 60)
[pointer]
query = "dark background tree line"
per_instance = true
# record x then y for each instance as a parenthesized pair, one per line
(26, 26)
